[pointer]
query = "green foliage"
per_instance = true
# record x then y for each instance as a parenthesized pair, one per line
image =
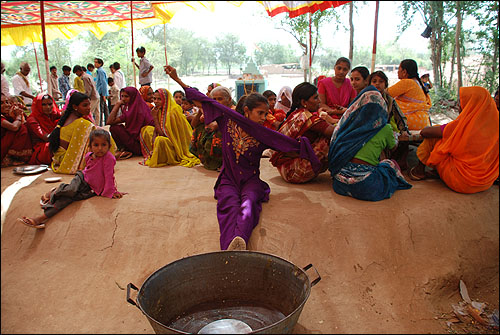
(272, 53)
(230, 51)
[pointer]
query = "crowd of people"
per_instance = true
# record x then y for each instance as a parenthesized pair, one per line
(350, 124)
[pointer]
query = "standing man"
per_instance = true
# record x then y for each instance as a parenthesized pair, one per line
(22, 85)
(64, 85)
(54, 83)
(90, 91)
(118, 76)
(102, 89)
(5, 83)
(145, 75)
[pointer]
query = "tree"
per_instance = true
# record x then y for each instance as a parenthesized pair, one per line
(458, 44)
(230, 51)
(272, 53)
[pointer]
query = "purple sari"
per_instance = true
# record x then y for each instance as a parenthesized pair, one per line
(239, 190)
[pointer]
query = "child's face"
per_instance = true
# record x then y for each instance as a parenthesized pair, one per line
(99, 146)
(272, 101)
(140, 54)
(157, 99)
(96, 63)
(124, 97)
(67, 72)
(178, 98)
(357, 81)
(90, 68)
(111, 83)
(54, 72)
(186, 105)
(83, 108)
(379, 83)
(341, 69)
(258, 114)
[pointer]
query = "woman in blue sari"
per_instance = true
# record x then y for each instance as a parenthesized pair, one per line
(357, 141)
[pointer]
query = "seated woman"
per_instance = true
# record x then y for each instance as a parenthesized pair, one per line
(275, 116)
(284, 100)
(206, 141)
(357, 141)
(359, 78)
(239, 190)
(43, 119)
(136, 114)
(167, 142)
(16, 141)
(68, 96)
(304, 121)
(336, 93)
(411, 96)
(465, 151)
(70, 138)
(147, 95)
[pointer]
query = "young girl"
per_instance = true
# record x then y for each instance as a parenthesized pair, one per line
(239, 190)
(96, 179)
(335, 93)
(275, 116)
(359, 78)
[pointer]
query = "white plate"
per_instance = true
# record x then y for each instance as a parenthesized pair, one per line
(53, 179)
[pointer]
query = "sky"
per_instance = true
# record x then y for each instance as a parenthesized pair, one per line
(252, 23)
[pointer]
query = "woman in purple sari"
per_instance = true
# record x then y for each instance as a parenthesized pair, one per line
(136, 114)
(239, 190)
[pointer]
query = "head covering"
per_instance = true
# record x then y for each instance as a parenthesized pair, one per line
(467, 155)
(47, 122)
(136, 113)
(68, 96)
(288, 93)
(366, 115)
(144, 94)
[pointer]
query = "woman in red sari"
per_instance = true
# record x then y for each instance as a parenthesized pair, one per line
(41, 122)
(304, 120)
(16, 141)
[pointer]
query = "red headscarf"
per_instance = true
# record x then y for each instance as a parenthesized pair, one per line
(47, 122)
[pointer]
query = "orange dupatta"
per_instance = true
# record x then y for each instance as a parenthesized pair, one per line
(467, 155)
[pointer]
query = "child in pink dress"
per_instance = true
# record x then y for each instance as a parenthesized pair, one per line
(96, 179)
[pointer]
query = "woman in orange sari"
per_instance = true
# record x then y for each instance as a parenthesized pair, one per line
(465, 151)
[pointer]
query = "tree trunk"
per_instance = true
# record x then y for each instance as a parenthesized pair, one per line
(437, 14)
(452, 67)
(351, 31)
(457, 46)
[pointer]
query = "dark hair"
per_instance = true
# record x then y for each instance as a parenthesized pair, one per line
(141, 49)
(111, 66)
(251, 101)
(381, 75)
(90, 65)
(268, 94)
(77, 68)
(53, 67)
(54, 138)
(66, 68)
(411, 68)
(187, 100)
(302, 91)
(363, 71)
(343, 60)
(99, 132)
(179, 92)
(98, 60)
(116, 65)
(110, 80)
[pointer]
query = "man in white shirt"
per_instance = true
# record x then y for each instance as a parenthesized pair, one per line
(22, 85)
(118, 76)
(5, 83)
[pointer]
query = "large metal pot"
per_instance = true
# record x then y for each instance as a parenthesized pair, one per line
(265, 292)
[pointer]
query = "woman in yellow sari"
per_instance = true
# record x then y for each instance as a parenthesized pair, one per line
(412, 97)
(167, 142)
(69, 140)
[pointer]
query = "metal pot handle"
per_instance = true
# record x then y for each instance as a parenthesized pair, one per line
(129, 299)
(315, 281)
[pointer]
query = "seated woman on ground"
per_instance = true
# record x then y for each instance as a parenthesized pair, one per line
(357, 142)
(136, 114)
(275, 116)
(68, 96)
(70, 138)
(43, 119)
(283, 100)
(336, 93)
(359, 78)
(206, 140)
(96, 179)
(167, 142)
(16, 142)
(465, 151)
(239, 190)
(147, 95)
(304, 121)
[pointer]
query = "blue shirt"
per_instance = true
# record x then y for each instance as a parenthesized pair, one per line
(64, 85)
(102, 82)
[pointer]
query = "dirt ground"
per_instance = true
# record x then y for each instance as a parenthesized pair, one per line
(392, 266)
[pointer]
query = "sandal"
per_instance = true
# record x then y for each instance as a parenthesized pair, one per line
(31, 223)
(124, 155)
(413, 176)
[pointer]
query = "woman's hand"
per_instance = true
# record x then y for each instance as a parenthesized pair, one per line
(171, 71)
